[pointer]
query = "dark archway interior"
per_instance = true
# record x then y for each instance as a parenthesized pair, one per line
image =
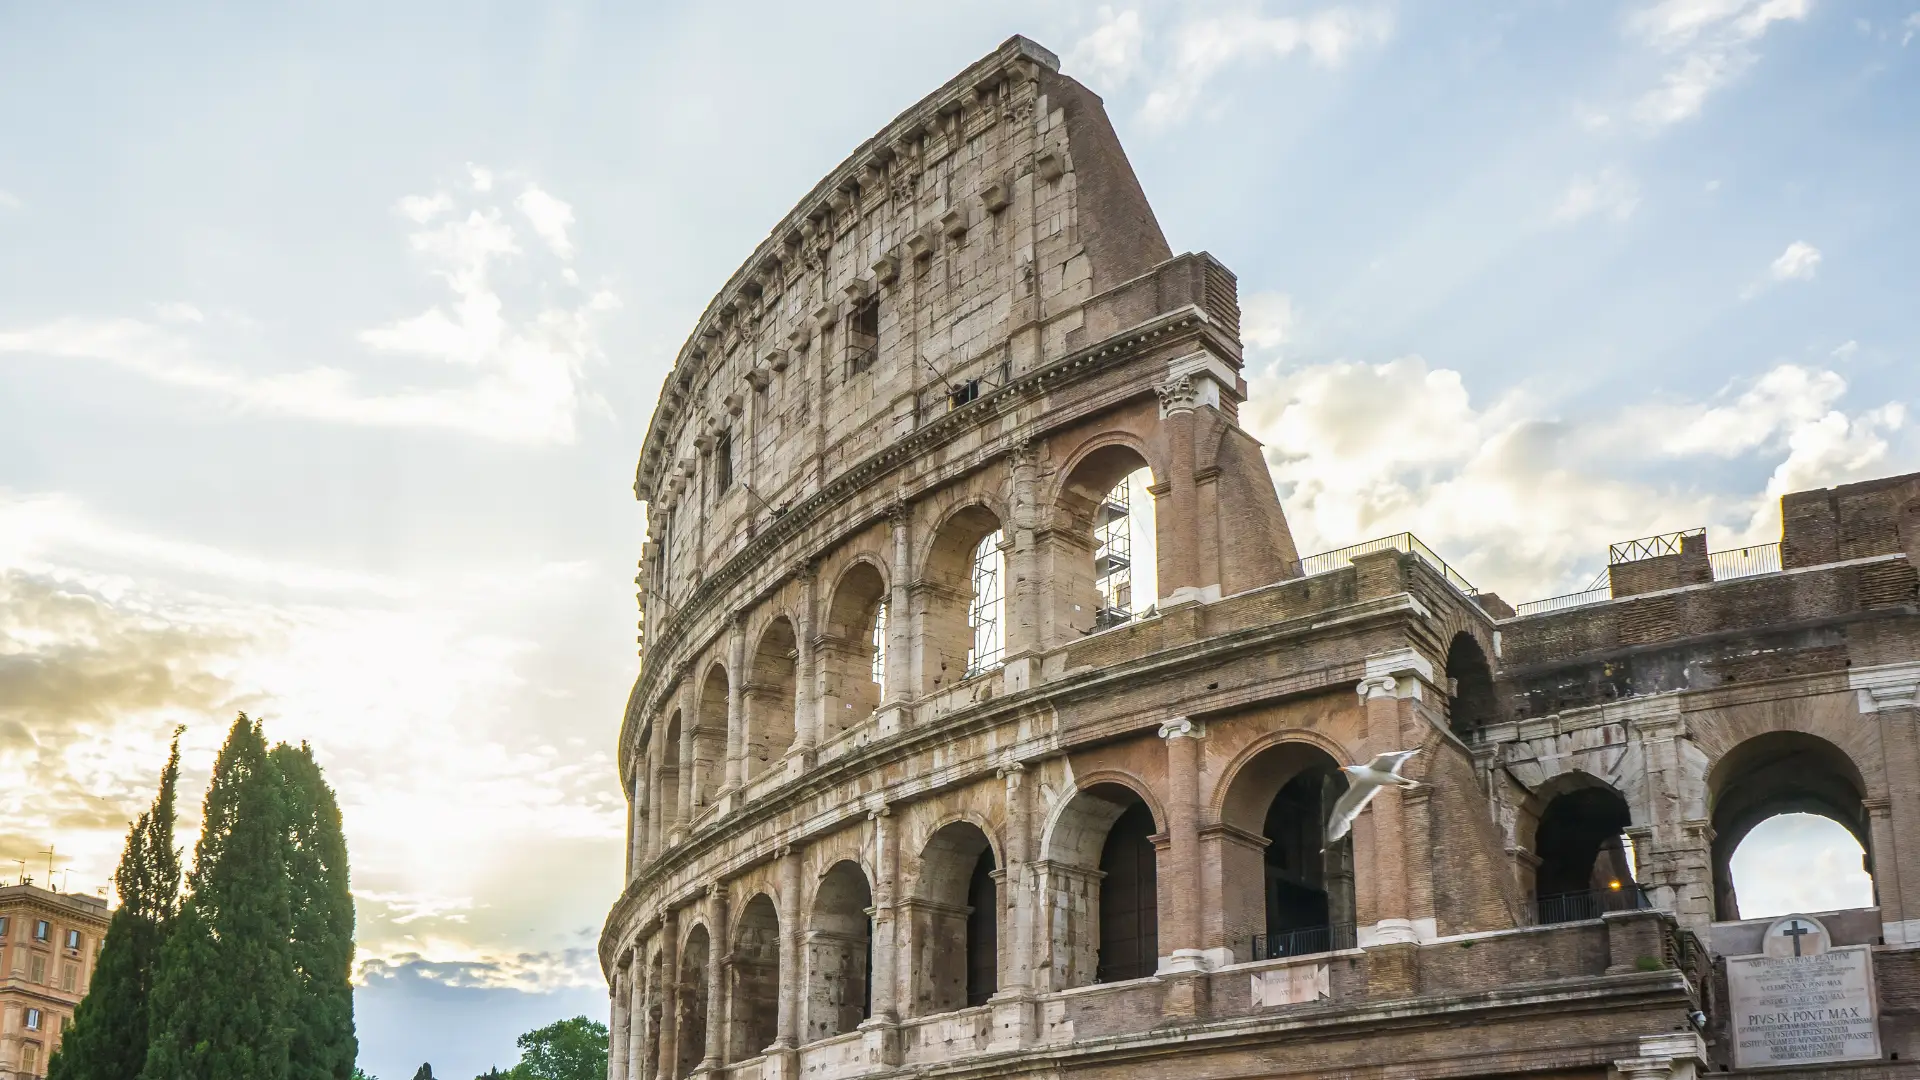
(1301, 908)
(1129, 897)
(1781, 772)
(1582, 855)
(983, 931)
(1472, 705)
(755, 968)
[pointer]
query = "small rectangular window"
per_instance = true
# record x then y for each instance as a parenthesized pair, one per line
(3, 925)
(33, 1019)
(961, 393)
(42, 930)
(37, 969)
(73, 939)
(723, 462)
(30, 1059)
(69, 977)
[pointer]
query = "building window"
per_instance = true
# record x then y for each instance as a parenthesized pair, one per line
(30, 1060)
(723, 462)
(37, 969)
(863, 337)
(3, 925)
(33, 1019)
(73, 939)
(963, 392)
(69, 977)
(985, 614)
(42, 930)
(880, 645)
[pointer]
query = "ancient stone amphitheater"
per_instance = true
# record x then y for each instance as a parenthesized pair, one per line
(987, 716)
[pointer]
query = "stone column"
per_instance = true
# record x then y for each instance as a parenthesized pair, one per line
(806, 719)
(669, 995)
(1678, 1056)
(1014, 1014)
(881, 1031)
(689, 720)
(1177, 556)
(899, 662)
(736, 716)
(718, 960)
(791, 951)
(1028, 631)
(637, 839)
(637, 1015)
(656, 796)
(620, 1022)
(1180, 924)
(1890, 694)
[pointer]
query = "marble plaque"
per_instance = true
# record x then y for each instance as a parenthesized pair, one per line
(1799, 1010)
(1291, 985)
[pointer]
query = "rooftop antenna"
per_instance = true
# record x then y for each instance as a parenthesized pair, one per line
(50, 854)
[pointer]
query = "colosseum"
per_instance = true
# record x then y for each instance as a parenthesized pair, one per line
(988, 720)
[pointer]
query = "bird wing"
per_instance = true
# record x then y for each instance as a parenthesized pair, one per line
(1347, 807)
(1390, 761)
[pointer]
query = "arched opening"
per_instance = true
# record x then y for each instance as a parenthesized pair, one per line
(849, 691)
(1586, 866)
(1293, 894)
(671, 812)
(955, 921)
(709, 738)
(755, 968)
(1129, 898)
(1782, 772)
(962, 600)
(1470, 704)
(1799, 863)
(690, 1033)
(839, 953)
(1105, 545)
(769, 697)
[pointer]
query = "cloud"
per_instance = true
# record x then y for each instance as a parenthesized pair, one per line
(1204, 46)
(1845, 350)
(1710, 43)
(1827, 856)
(1109, 56)
(550, 218)
(1911, 26)
(1799, 262)
(179, 313)
(522, 373)
(1611, 191)
(1523, 499)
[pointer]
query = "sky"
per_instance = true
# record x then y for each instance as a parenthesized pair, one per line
(329, 336)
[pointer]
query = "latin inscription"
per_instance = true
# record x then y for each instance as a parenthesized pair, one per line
(1796, 1010)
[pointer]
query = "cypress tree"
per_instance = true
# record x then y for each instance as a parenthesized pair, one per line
(223, 996)
(323, 1046)
(107, 1039)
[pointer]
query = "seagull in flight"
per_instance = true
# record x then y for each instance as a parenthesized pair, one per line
(1363, 783)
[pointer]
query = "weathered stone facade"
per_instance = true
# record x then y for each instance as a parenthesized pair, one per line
(864, 843)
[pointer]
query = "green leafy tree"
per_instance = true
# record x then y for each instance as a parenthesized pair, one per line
(322, 1046)
(425, 1073)
(360, 1074)
(573, 1049)
(107, 1039)
(223, 998)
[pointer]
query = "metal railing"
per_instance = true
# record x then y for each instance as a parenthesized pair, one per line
(1745, 562)
(1329, 561)
(1303, 942)
(1569, 600)
(1591, 904)
(1650, 547)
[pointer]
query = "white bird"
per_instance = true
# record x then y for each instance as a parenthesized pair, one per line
(1363, 783)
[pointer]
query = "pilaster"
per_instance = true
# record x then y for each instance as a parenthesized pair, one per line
(1180, 926)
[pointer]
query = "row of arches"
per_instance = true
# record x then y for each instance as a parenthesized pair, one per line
(956, 626)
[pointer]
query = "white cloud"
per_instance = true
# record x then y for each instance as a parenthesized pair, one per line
(1525, 500)
(1611, 191)
(10, 201)
(1266, 320)
(1711, 43)
(482, 179)
(1799, 262)
(1110, 55)
(523, 372)
(550, 218)
(1911, 26)
(1845, 350)
(1203, 46)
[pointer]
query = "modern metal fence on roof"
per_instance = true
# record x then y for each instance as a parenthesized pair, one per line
(1329, 561)
(1745, 562)
(1650, 547)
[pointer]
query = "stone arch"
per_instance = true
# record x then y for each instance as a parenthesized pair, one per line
(1780, 772)
(844, 652)
(954, 911)
(769, 696)
(1471, 704)
(1102, 881)
(1076, 561)
(709, 737)
(839, 952)
(943, 627)
(690, 1038)
(753, 1012)
(1283, 890)
(1574, 827)
(673, 813)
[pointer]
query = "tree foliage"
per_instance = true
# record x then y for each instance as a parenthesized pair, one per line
(322, 1044)
(573, 1049)
(107, 1039)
